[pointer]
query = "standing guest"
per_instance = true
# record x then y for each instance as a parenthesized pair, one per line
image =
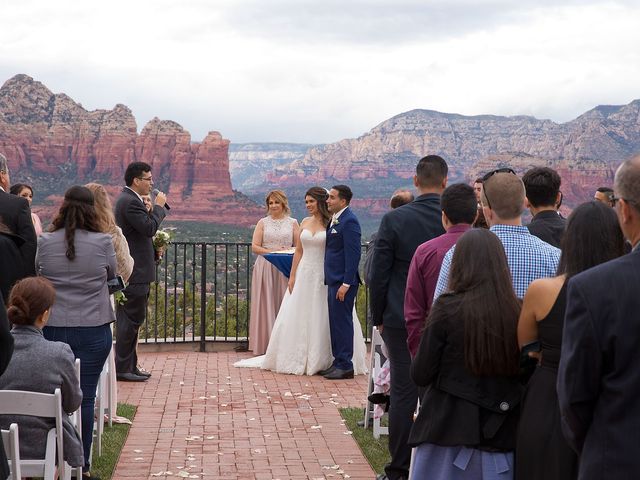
(12, 267)
(399, 198)
(138, 226)
(593, 236)
(542, 186)
(26, 191)
(16, 215)
(341, 260)
(78, 260)
(107, 224)
(401, 232)
(604, 195)
(459, 210)
(6, 350)
(480, 221)
(530, 258)
(276, 231)
(598, 377)
(468, 357)
(39, 365)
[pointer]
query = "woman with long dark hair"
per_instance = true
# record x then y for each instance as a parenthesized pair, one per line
(301, 341)
(468, 359)
(26, 191)
(592, 236)
(78, 260)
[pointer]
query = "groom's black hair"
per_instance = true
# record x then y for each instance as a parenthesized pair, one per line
(344, 192)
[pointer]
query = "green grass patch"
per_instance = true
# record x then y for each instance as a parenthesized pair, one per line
(112, 442)
(376, 451)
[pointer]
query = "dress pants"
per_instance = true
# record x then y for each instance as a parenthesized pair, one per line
(92, 346)
(129, 318)
(404, 398)
(341, 326)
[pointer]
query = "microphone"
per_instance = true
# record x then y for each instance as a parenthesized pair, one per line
(156, 192)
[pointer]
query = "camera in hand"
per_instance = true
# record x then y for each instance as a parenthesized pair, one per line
(115, 284)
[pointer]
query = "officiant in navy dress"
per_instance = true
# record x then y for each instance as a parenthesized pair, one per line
(341, 260)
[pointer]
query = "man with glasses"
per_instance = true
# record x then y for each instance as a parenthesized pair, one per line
(503, 197)
(138, 226)
(598, 376)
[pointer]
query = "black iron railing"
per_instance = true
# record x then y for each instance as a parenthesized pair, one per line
(203, 294)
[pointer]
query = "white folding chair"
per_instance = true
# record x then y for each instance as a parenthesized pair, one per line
(47, 405)
(374, 369)
(10, 439)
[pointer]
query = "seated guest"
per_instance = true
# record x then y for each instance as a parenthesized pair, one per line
(39, 365)
(468, 357)
(26, 191)
(542, 186)
(593, 236)
(604, 195)
(78, 259)
(6, 350)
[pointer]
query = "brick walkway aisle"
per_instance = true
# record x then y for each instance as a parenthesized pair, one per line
(199, 417)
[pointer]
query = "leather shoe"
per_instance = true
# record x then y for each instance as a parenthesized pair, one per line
(338, 374)
(142, 372)
(131, 377)
(326, 371)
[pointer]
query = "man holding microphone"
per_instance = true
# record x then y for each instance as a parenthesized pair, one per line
(138, 226)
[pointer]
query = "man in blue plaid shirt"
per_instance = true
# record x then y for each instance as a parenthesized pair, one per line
(529, 257)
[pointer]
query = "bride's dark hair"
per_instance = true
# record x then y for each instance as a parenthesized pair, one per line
(320, 195)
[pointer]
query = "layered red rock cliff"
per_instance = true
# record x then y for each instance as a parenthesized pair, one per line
(46, 135)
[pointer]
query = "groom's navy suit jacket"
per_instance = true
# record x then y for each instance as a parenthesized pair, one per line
(342, 252)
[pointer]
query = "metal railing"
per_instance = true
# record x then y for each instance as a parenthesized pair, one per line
(202, 294)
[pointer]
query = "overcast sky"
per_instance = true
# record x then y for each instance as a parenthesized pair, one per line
(320, 71)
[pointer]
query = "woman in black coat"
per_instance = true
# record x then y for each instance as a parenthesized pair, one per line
(468, 362)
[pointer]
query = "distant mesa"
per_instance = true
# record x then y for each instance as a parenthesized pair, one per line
(585, 150)
(45, 135)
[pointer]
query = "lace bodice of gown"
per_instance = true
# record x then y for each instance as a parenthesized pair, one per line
(277, 233)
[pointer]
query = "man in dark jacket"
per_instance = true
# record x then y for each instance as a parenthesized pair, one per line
(10, 259)
(542, 185)
(401, 231)
(138, 226)
(16, 215)
(598, 376)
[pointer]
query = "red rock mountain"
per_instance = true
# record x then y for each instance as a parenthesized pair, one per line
(585, 150)
(52, 141)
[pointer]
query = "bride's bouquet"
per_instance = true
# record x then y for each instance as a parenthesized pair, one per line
(161, 239)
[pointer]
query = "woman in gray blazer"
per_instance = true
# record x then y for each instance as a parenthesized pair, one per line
(78, 260)
(40, 366)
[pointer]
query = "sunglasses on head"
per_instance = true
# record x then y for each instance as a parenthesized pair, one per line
(491, 174)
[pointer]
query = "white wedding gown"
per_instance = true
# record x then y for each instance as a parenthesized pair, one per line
(300, 342)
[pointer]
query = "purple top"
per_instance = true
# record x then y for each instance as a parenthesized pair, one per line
(422, 280)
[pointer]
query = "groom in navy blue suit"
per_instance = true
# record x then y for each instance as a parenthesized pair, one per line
(341, 260)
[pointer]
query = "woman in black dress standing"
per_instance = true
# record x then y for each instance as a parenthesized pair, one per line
(592, 236)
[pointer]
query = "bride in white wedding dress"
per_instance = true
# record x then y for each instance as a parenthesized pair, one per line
(300, 342)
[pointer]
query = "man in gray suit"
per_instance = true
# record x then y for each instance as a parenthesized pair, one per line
(138, 226)
(16, 215)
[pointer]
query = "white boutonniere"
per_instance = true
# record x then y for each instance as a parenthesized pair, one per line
(336, 221)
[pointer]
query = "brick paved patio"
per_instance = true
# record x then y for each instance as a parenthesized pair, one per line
(199, 417)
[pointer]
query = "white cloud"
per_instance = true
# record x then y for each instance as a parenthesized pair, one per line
(322, 71)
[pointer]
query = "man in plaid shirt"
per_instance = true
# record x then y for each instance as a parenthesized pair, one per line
(529, 257)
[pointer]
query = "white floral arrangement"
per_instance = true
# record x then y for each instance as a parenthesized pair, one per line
(162, 238)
